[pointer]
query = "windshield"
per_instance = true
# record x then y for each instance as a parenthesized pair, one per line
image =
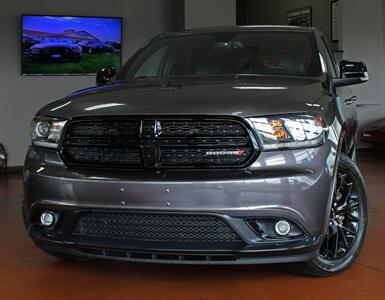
(248, 53)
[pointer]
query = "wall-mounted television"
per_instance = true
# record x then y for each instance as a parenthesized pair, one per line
(65, 45)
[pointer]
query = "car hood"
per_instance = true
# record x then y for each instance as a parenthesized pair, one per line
(262, 95)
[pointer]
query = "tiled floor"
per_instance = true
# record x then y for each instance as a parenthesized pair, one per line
(27, 273)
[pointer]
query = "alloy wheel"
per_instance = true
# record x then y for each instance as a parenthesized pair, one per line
(345, 216)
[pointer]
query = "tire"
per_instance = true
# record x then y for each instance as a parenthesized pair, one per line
(341, 248)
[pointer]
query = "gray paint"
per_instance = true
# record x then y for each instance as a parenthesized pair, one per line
(21, 97)
(200, 98)
(293, 184)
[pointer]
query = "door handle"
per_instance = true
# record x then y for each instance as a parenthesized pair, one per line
(349, 101)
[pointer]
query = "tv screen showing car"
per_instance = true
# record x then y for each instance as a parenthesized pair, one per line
(64, 45)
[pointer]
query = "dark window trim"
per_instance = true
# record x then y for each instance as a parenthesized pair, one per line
(324, 46)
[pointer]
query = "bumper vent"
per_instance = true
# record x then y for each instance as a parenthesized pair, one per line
(143, 143)
(155, 227)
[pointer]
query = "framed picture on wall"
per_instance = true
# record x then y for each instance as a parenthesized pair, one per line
(300, 17)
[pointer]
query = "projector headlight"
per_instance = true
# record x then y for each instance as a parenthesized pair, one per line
(289, 131)
(46, 132)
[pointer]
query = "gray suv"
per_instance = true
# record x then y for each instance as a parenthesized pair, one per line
(231, 145)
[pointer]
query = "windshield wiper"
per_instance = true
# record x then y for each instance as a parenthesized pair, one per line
(166, 83)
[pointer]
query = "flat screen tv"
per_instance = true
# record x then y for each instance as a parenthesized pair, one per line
(64, 45)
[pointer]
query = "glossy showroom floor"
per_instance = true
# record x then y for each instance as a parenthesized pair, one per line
(27, 273)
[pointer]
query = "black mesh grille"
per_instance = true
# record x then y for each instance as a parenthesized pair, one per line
(207, 156)
(159, 143)
(201, 128)
(104, 129)
(155, 227)
(105, 155)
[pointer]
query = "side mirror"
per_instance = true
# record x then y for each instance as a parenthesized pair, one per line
(352, 72)
(105, 75)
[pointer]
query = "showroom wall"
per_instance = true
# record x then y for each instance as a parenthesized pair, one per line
(21, 97)
(201, 13)
(251, 12)
(363, 38)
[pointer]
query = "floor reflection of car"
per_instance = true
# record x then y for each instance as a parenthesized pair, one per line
(375, 134)
(55, 50)
(96, 47)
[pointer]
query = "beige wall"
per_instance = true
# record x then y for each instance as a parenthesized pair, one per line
(273, 12)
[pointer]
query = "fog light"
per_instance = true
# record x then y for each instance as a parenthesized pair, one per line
(282, 227)
(47, 218)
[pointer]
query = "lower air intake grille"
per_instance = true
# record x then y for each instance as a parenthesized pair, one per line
(155, 227)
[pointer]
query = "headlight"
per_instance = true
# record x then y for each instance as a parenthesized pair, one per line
(289, 131)
(46, 132)
(76, 49)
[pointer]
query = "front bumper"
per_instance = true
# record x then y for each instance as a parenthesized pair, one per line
(293, 251)
(294, 185)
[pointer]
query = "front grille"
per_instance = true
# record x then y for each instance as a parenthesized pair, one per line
(157, 143)
(187, 157)
(155, 227)
(201, 128)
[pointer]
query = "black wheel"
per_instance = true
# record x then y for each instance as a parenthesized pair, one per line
(348, 223)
